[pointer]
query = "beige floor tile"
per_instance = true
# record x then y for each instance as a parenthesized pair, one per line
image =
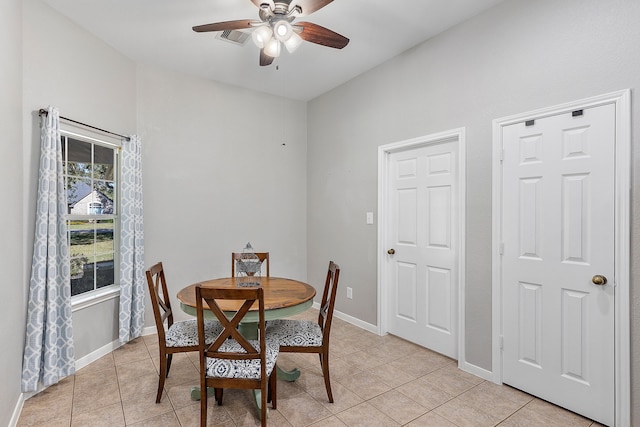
(143, 407)
(96, 378)
(302, 410)
(398, 407)
(484, 400)
(391, 375)
(421, 363)
(64, 421)
(449, 380)
(168, 419)
(329, 422)
(363, 360)
(431, 419)
(136, 369)
(399, 383)
(95, 396)
(104, 362)
(53, 403)
(189, 416)
(131, 352)
(180, 394)
(556, 414)
(504, 392)
(288, 388)
(365, 415)
(343, 398)
(366, 385)
(340, 368)
(425, 394)
(462, 415)
(107, 416)
(131, 386)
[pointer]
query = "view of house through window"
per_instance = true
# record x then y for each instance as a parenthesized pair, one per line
(90, 172)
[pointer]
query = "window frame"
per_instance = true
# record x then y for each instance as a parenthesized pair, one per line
(112, 291)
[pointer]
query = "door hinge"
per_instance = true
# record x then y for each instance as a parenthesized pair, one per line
(501, 342)
(501, 155)
(501, 248)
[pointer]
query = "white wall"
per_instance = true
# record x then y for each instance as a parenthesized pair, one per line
(216, 175)
(521, 55)
(66, 67)
(13, 293)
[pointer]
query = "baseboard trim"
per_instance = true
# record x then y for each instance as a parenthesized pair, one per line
(476, 370)
(350, 319)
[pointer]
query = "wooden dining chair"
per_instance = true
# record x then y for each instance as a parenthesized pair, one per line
(306, 336)
(237, 256)
(178, 337)
(231, 360)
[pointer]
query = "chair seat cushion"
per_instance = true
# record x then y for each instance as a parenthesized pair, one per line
(185, 334)
(296, 333)
(248, 369)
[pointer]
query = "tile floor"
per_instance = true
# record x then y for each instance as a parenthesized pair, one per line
(376, 381)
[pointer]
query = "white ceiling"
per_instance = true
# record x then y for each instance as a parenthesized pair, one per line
(159, 32)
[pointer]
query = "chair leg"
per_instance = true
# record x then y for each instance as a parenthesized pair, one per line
(273, 381)
(218, 395)
(263, 405)
(324, 361)
(169, 358)
(203, 404)
(162, 375)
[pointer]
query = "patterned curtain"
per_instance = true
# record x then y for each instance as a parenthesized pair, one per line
(48, 352)
(132, 275)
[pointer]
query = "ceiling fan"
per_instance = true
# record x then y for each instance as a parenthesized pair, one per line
(275, 27)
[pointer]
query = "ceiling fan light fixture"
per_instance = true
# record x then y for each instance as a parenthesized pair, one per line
(261, 36)
(272, 48)
(282, 30)
(293, 43)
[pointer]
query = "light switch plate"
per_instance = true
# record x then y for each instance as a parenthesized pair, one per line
(369, 217)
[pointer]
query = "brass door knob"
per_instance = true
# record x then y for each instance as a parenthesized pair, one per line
(599, 280)
(391, 251)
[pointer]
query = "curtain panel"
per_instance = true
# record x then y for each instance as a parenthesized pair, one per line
(132, 273)
(48, 353)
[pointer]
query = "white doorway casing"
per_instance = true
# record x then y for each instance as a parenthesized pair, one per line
(454, 138)
(621, 103)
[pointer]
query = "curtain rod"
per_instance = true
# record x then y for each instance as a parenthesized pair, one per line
(42, 111)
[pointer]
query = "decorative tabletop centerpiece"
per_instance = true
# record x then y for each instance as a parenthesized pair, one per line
(248, 267)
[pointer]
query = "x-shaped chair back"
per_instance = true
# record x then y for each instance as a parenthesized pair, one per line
(250, 296)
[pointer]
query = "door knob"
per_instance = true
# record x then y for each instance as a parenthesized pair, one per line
(391, 251)
(599, 280)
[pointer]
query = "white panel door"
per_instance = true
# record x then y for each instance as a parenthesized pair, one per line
(422, 291)
(558, 237)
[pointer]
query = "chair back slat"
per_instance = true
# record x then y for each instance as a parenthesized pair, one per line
(159, 296)
(328, 302)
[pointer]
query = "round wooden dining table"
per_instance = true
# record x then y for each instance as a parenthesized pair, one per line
(282, 298)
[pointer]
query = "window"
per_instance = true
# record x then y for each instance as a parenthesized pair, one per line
(91, 182)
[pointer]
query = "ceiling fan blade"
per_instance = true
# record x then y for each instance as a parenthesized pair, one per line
(319, 35)
(265, 59)
(240, 24)
(307, 6)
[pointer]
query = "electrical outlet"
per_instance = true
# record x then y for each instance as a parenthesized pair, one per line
(349, 292)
